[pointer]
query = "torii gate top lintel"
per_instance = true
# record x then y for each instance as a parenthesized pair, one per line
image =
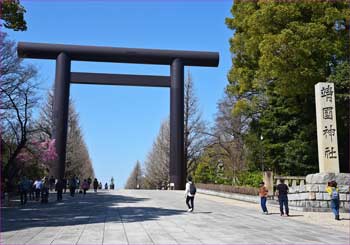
(120, 55)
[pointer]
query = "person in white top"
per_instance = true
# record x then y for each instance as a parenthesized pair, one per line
(190, 192)
(37, 186)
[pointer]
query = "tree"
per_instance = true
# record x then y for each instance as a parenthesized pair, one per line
(280, 51)
(194, 127)
(157, 162)
(341, 78)
(210, 166)
(135, 179)
(12, 13)
(78, 161)
(18, 95)
(227, 135)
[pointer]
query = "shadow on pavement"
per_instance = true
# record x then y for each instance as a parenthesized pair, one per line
(296, 215)
(78, 210)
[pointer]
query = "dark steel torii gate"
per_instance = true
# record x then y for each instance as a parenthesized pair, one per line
(64, 54)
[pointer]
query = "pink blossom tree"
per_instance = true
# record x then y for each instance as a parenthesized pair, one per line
(44, 151)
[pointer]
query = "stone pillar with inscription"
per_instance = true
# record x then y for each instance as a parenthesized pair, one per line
(328, 157)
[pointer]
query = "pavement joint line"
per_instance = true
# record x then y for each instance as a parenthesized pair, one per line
(61, 228)
(81, 233)
(143, 227)
(103, 231)
(9, 236)
(35, 235)
(121, 219)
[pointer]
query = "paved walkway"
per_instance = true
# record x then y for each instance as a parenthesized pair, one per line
(159, 217)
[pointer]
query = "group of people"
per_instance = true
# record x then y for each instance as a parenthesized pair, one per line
(282, 193)
(40, 188)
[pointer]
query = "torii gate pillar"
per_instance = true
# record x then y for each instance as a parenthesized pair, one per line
(177, 168)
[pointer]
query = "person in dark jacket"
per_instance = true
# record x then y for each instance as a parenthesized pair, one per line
(73, 185)
(52, 183)
(23, 189)
(65, 182)
(45, 190)
(95, 185)
(59, 188)
(282, 192)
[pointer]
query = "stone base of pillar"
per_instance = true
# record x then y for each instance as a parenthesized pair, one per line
(324, 178)
(313, 196)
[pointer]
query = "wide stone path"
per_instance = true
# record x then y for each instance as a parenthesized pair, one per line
(155, 217)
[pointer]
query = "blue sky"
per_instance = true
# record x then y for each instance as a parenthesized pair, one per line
(121, 123)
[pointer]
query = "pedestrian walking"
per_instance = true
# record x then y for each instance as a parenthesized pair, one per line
(263, 197)
(45, 190)
(89, 180)
(38, 184)
(77, 183)
(31, 190)
(65, 185)
(95, 184)
(282, 193)
(59, 188)
(72, 186)
(100, 186)
(85, 186)
(333, 192)
(106, 186)
(52, 183)
(23, 189)
(190, 192)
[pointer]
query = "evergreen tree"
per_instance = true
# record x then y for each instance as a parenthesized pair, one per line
(12, 13)
(281, 51)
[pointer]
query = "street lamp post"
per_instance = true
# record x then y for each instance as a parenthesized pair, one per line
(262, 153)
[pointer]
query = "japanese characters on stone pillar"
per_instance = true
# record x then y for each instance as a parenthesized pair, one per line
(328, 157)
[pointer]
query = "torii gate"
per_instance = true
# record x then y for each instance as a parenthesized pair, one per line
(177, 59)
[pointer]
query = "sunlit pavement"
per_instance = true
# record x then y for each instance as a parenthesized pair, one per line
(155, 217)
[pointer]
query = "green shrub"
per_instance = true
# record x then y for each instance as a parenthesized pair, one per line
(204, 173)
(252, 179)
(229, 188)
